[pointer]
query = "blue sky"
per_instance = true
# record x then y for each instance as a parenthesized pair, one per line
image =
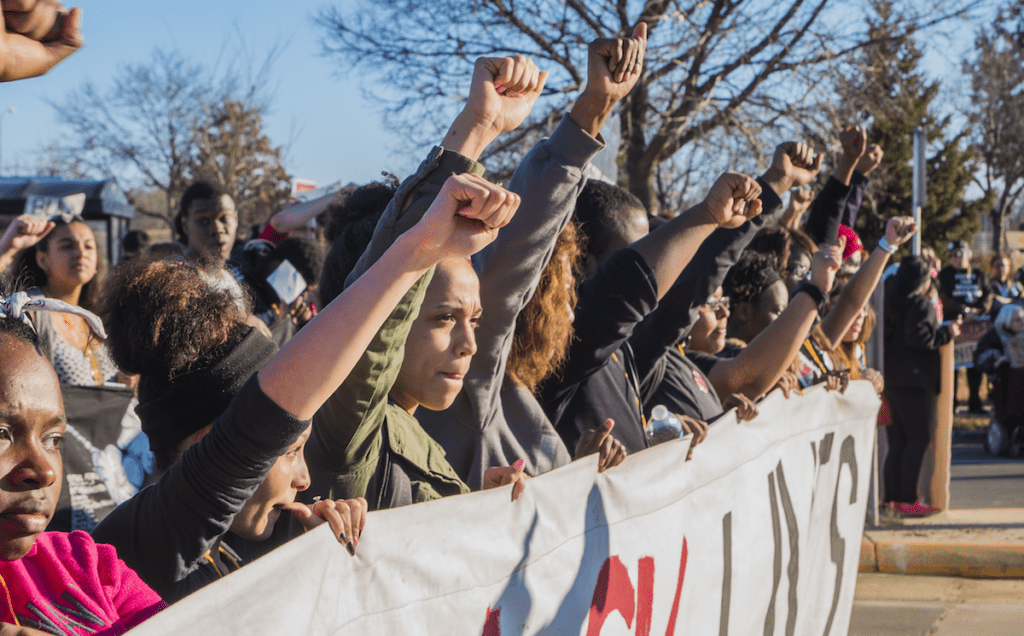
(333, 133)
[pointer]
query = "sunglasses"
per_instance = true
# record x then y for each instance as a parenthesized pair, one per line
(717, 304)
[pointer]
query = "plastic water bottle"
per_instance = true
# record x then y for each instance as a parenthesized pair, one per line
(664, 426)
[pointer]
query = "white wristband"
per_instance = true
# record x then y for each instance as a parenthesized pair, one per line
(884, 245)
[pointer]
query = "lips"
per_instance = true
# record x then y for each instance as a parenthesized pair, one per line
(29, 518)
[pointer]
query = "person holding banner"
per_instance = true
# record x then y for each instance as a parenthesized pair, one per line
(48, 578)
(913, 336)
(228, 415)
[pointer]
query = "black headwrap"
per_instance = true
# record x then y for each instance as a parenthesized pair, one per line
(172, 411)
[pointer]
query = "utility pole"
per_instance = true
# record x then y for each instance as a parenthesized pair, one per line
(10, 111)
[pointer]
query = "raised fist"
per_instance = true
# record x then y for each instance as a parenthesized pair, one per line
(853, 140)
(733, 200)
(35, 36)
(870, 160)
(899, 230)
(464, 218)
(797, 162)
(503, 91)
(614, 64)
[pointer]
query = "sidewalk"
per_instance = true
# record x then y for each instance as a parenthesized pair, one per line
(981, 543)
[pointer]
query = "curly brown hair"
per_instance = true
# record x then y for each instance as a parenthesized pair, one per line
(544, 326)
(165, 319)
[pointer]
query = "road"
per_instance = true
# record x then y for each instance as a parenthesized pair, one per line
(979, 480)
(898, 605)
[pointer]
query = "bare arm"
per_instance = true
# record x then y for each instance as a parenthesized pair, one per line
(858, 290)
(463, 219)
(760, 365)
(298, 215)
(731, 202)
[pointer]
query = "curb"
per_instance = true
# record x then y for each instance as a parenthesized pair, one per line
(974, 560)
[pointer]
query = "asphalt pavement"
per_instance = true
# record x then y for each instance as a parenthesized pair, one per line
(907, 605)
(979, 480)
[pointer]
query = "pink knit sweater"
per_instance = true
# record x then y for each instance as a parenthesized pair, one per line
(67, 584)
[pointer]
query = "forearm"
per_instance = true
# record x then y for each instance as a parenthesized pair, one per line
(6, 259)
(468, 137)
(298, 215)
(844, 169)
(308, 369)
(760, 365)
(826, 211)
(670, 248)
(854, 296)
(590, 112)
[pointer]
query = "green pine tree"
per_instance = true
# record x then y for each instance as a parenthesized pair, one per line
(890, 90)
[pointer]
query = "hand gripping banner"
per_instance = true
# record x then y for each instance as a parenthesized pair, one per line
(759, 534)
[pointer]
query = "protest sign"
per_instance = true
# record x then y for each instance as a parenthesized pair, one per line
(759, 534)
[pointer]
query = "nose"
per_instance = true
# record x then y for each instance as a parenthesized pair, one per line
(302, 481)
(722, 311)
(465, 341)
(34, 471)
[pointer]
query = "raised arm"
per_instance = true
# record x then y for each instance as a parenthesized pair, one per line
(35, 36)
(793, 165)
(463, 219)
(486, 115)
(859, 183)
(761, 363)
(732, 201)
(828, 207)
(858, 290)
(549, 180)
(297, 215)
(24, 231)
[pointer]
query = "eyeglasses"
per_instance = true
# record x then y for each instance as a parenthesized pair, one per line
(718, 304)
(800, 272)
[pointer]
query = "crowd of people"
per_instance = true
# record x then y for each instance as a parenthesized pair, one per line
(444, 335)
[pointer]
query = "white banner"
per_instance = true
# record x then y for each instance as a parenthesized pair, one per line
(759, 534)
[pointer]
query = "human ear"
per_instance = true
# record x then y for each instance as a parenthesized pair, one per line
(43, 261)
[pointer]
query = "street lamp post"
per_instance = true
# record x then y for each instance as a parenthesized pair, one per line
(11, 111)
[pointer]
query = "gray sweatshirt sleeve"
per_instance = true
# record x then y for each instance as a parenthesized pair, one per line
(549, 180)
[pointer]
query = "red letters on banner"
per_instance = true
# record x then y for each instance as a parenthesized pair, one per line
(614, 592)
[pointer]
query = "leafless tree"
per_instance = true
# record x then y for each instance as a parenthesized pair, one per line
(231, 148)
(711, 64)
(167, 121)
(996, 111)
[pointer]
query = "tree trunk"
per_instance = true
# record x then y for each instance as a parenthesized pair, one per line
(634, 159)
(998, 221)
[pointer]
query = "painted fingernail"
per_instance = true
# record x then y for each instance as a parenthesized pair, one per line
(344, 538)
(519, 464)
(351, 548)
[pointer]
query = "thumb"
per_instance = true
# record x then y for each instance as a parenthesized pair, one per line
(515, 478)
(300, 511)
(70, 32)
(640, 31)
(604, 431)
